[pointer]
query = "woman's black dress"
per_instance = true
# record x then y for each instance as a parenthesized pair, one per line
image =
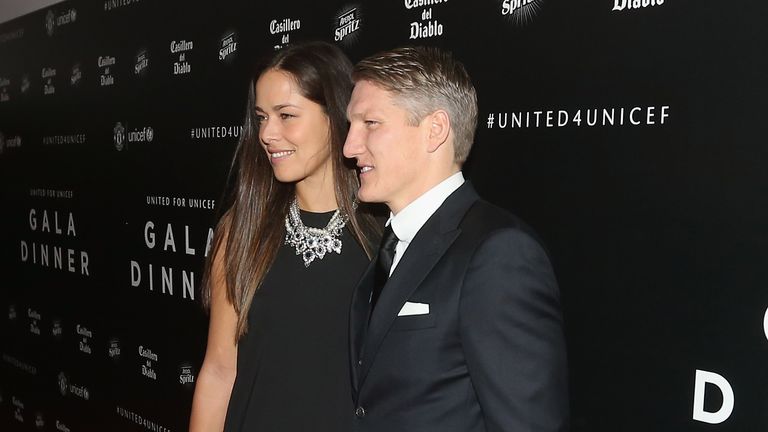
(293, 371)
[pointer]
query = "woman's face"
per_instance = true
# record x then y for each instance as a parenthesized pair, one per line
(293, 130)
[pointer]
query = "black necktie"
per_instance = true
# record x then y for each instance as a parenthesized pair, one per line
(386, 255)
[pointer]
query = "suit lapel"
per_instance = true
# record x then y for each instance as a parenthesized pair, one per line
(426, 249)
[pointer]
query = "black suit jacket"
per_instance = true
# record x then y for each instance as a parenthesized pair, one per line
(489, 355)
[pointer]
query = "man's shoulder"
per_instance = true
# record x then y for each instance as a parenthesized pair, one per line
(484, 216)
(485, 221)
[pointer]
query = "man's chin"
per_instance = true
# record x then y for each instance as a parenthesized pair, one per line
(367, 196)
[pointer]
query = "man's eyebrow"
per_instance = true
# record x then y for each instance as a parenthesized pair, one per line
(356, 115)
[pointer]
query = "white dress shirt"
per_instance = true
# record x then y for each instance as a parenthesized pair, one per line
(409, 221)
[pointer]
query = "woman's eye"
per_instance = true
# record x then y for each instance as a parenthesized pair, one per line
(286, 116)
(260, 118)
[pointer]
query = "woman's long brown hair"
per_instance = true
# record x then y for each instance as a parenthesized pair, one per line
(251, 228)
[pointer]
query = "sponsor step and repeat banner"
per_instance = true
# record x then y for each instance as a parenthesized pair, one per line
(628, 133)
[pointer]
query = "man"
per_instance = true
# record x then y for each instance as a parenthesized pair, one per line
(456, 325)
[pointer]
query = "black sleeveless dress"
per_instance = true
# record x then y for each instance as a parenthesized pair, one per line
(293, 372)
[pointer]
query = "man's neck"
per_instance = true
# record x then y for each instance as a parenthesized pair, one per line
(427, 192)
(430, 182)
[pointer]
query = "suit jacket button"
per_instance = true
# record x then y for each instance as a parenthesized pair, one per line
(360, 412)
(360, 362)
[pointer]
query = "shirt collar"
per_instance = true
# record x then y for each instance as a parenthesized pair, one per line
(409, 220)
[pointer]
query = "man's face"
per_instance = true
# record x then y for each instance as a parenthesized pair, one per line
(390, 153)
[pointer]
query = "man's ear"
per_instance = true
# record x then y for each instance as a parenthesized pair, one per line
(439, 129)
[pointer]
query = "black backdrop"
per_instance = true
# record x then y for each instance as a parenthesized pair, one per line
(629, 134)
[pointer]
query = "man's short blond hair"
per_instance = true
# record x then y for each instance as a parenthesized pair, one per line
(423, 80)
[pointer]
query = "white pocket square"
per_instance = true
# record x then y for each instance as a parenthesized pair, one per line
(410, 308)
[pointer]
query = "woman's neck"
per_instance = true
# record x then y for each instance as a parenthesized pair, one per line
(317, 195)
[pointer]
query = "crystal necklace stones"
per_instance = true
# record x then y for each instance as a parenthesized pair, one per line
(313, 243)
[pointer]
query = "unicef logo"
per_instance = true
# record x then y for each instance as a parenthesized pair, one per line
(63, 384)
(119, 136)
(50, 22)
(150, 134)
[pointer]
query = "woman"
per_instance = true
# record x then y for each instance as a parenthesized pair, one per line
(288, 253)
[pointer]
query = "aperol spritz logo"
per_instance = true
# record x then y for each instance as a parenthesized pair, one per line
(521, 12)
(347, 24)
(228, 47)
(76, 76)
(141, 63)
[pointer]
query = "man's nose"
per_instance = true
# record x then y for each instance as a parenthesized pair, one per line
(352, 145)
